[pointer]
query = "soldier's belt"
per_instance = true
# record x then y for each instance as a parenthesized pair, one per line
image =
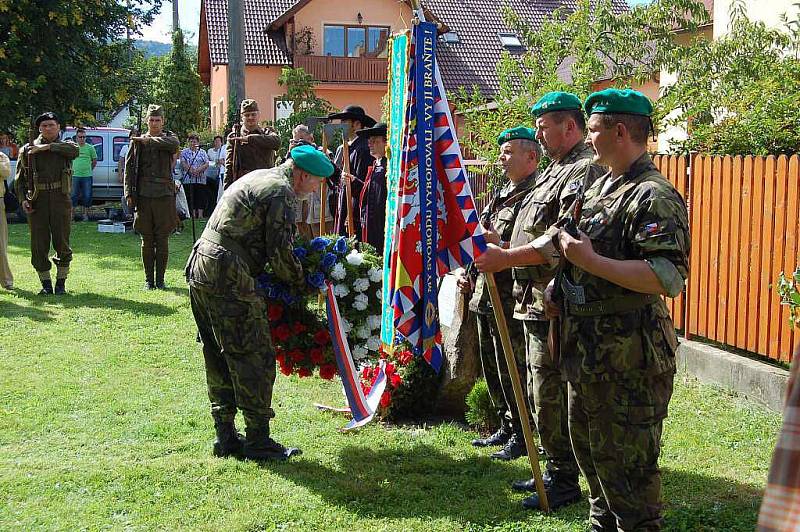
(48, 186)
(231, 245)
(157, 180)
(616, 305)
(522, 274)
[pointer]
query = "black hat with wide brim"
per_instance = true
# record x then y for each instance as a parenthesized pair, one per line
(353, 112)
(378, 130)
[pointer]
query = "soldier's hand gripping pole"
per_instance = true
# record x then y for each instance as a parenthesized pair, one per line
(516, 384)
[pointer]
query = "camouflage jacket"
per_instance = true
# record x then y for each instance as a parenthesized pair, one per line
(258, 153)
(553, 194)
(501, 213)
(640, 217)
(50, 170)
(148, 166)
(257, 213)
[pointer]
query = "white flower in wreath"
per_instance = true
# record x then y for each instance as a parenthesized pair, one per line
(374, 343)
(361, 284)
(338, 272)
(374, 322)
(355, 258)
(346, 326)
(361, 302)
(360, 352)
(379, 294)
(375, 275)
(363, 332)
(340, 290)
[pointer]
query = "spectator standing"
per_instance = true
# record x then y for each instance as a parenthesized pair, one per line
(6, 278)
(216, 164)
(194, 162)
(7, 146)
(82, 172)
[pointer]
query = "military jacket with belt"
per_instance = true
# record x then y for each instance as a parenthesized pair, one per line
(148, 166)
(501, 213)
(50, 171)
(254, 223)
(553, 194)
(258, 153)
(609, 332)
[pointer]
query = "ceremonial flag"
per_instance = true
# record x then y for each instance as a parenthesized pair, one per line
(362, 407)
(399, 47)
(437, 223)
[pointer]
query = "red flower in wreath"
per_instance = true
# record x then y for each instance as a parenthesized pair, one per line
(327, 371)
(386, 399)
(395, 380)
(405, 357)
(286, 368)
(317, 356)
(296, 355)
(274, 312)
(390, 369)
(304, 372)
(280, 358)
(366, 373)
(282, 333)
(322, 337)
(298, 328)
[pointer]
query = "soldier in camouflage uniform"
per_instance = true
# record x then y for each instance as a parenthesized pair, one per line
(252, 148)
(43, 181)
(618, 341)
(254, 223)
(519, 156)
(150, 190)
(561, 129)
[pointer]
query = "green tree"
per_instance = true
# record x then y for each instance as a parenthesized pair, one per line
(65, 55)
(179, 90)
(301, 96)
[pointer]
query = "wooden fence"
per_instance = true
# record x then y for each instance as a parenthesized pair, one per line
(743, 216)
(745, 230)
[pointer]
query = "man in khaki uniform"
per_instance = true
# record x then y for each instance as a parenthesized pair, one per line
(43, 182)
(253, 148)
(150, 191)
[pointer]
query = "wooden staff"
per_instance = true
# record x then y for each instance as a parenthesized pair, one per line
(323, 189)
(522, 408)
(351, 228)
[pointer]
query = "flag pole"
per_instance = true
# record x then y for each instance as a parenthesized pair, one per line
(522, 408)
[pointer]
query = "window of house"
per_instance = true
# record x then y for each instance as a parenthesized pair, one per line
(282, 109)
(355, 41)
(509, 40)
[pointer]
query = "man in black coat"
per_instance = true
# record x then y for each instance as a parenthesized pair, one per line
(372, 202)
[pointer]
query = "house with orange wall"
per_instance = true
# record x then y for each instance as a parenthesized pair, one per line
(346, 52)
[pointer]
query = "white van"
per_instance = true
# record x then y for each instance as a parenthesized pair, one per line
(108, 141)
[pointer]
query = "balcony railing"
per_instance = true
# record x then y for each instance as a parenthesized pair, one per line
(344, 69)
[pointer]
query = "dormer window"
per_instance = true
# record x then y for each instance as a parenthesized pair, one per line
(451, 37)
(509, 40)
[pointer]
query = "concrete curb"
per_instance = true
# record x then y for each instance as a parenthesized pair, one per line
(760, 382)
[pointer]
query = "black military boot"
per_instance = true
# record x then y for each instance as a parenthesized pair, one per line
(228, 441)
(149, 285)
(530, 485)
(563, 490)
(47, 288)
(515, 447)
(259, 446)
(498, 438)
(60, 287)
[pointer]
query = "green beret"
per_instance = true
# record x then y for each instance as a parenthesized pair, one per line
(556, 101)
(248, 106)
(514, 133)
(627, 101)
(155, 110)
(312, 160)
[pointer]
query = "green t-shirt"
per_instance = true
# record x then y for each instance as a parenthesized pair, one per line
(82, 166)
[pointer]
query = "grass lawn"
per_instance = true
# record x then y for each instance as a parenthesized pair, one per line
(104, 423)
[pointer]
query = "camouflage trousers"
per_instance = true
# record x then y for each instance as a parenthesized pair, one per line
(616, 434)
(239, 357)
(495, 368)
(549, 392)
